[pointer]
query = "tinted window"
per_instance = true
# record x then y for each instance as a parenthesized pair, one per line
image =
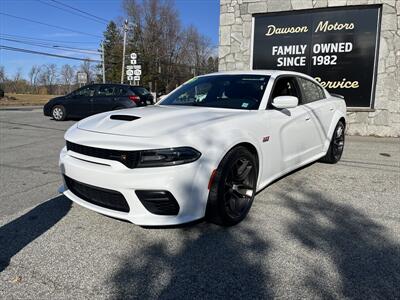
(120, 91)
(285, 86)
(85, 92)
(225, 91)
(141, 91)
(311, 91)
(105, 90)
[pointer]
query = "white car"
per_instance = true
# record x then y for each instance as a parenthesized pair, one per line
(204, 150)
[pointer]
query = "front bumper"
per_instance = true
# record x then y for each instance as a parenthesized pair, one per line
(47, 110)
(187, 183)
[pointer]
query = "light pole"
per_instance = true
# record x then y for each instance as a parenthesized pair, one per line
(123, 51)
(104, 68)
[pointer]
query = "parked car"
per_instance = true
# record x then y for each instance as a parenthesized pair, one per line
(96, 98)
(204, 150)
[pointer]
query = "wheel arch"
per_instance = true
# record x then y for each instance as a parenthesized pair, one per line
(254, 150)
(342, 119)
(249, 146)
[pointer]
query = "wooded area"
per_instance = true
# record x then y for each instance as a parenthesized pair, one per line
(168, 52)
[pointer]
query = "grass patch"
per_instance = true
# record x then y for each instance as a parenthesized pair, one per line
(24, 99)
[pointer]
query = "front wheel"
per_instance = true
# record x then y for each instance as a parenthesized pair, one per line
(233, 189)
(59, 113)
(336, 146)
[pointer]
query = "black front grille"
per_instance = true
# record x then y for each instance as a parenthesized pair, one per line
(97, 196)
(158, 202)
(128, 158)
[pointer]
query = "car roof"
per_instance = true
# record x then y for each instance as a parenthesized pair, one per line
(272, 73)
(115, 84)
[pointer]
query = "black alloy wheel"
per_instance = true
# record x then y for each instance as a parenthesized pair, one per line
(239, 187)
(336, 146)
(234, 187)
(338, 141)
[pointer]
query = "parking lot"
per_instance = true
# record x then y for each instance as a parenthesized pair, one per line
(325, 231)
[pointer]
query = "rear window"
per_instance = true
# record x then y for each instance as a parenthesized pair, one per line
(141, 91)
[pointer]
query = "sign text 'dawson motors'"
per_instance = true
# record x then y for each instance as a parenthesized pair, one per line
(336, 46)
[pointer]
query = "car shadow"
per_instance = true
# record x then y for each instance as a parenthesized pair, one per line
(213, 262)
(366, 259)
(17, 234)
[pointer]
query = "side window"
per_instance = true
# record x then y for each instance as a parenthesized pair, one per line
(85, 92)
(285, 86)
(121, 91)
(105, 90)
(311, 91)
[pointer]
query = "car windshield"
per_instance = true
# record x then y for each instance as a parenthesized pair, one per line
(222, 91)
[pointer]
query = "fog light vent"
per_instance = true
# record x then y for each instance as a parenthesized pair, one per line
(158, 202)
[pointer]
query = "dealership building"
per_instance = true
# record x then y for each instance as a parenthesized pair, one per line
(352, 47)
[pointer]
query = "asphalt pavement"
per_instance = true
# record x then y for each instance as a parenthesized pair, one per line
(325, 231)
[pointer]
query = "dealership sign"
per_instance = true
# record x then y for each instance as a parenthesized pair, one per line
(336, 46)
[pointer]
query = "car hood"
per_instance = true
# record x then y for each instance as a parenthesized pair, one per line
(157, 120)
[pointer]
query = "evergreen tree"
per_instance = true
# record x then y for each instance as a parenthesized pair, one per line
(113, 40)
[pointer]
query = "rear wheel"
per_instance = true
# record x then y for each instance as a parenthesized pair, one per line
(233, 189)
(336, 146)
(59, 113)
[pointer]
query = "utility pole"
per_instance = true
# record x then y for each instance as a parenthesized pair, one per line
(104, 68)
(123, 51)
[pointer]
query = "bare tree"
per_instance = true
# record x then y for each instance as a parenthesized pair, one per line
(3, 77)
(17, 81)
(87, 68)
(33, 76)
(167, 52)
(67, 75)
(48, 77)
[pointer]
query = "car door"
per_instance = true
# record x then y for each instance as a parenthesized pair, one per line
(320, 108)
(291, 130)
(80, 102)
(104, 99)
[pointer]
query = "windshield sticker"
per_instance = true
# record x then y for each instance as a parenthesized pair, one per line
(245, 104)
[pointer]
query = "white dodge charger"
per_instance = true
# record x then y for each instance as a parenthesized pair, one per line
(204, 150)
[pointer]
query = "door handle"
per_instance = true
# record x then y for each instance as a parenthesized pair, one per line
(331, 108)
(307, 118)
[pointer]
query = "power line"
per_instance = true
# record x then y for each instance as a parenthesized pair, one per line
(46, 54)
(46, 40)
(55, 47)
(81, 11)
(71, 12)
(49, 25)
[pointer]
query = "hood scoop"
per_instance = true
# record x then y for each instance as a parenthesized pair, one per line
(124, 117)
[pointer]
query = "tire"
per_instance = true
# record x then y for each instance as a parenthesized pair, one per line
(234, 187)
(336, 145)
(59, 113)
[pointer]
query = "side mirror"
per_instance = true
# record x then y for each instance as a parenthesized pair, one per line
(285, 102)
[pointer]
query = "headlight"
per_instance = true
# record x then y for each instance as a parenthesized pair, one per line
(167, 157)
